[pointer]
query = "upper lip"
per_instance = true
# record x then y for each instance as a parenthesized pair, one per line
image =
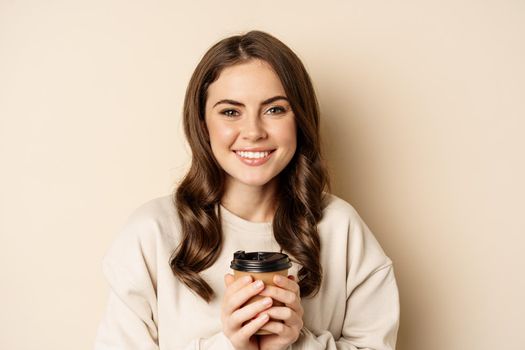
(256, 149)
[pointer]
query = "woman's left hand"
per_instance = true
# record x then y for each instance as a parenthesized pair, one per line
(287, 291)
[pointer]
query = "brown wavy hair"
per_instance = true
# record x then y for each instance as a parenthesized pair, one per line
(301, 195)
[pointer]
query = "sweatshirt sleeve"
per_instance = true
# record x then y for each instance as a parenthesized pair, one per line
(371, 319)
(129, 266)
(130, 321)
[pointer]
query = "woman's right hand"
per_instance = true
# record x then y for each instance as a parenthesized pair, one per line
(233, 315)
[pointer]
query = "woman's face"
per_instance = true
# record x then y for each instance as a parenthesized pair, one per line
(251, 124)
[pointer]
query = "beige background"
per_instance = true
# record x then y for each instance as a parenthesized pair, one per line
(423, 118)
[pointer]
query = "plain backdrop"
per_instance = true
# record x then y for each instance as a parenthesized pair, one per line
(422, 120)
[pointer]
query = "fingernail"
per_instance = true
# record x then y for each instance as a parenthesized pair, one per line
(278, 279)
(247, 279)
(258, 284)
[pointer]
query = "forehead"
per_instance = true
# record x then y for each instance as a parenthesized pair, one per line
(254, 79)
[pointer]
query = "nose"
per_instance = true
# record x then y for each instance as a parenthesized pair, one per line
(253, 129)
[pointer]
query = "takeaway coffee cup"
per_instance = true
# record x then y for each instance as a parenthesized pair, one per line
(261, 266)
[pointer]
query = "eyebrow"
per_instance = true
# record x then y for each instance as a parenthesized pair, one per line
(237, 103)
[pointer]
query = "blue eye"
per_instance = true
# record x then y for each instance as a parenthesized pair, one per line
(276, 110)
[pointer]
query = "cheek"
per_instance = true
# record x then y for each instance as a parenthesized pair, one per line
(221, 135)
(287, 135)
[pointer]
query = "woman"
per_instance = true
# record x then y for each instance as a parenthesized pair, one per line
(256, 183)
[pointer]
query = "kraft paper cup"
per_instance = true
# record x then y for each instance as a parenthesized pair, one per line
(261, 266)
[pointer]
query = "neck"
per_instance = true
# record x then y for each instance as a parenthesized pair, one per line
(252, 203)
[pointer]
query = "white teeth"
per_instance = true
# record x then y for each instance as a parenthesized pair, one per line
(252, 155)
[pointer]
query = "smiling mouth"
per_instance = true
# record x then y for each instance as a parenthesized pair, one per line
(254, 155)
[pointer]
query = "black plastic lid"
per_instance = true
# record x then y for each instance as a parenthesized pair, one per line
(260, 261)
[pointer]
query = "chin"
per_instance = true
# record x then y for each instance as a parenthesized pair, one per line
(254, 183)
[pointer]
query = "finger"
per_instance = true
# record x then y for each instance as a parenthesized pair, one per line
(286, 297)
(287, 283)
(233, 285)
(235, 300)
(249, 312)
(253, 326)
(285, 314)
(228, 279)
(276, 327)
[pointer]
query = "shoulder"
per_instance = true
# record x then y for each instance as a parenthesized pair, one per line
(160, 210)
(338, 211)
(343, 228)
(151, 223)
(151, 220)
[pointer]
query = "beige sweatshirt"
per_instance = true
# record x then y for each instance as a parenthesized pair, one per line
(357, 306)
